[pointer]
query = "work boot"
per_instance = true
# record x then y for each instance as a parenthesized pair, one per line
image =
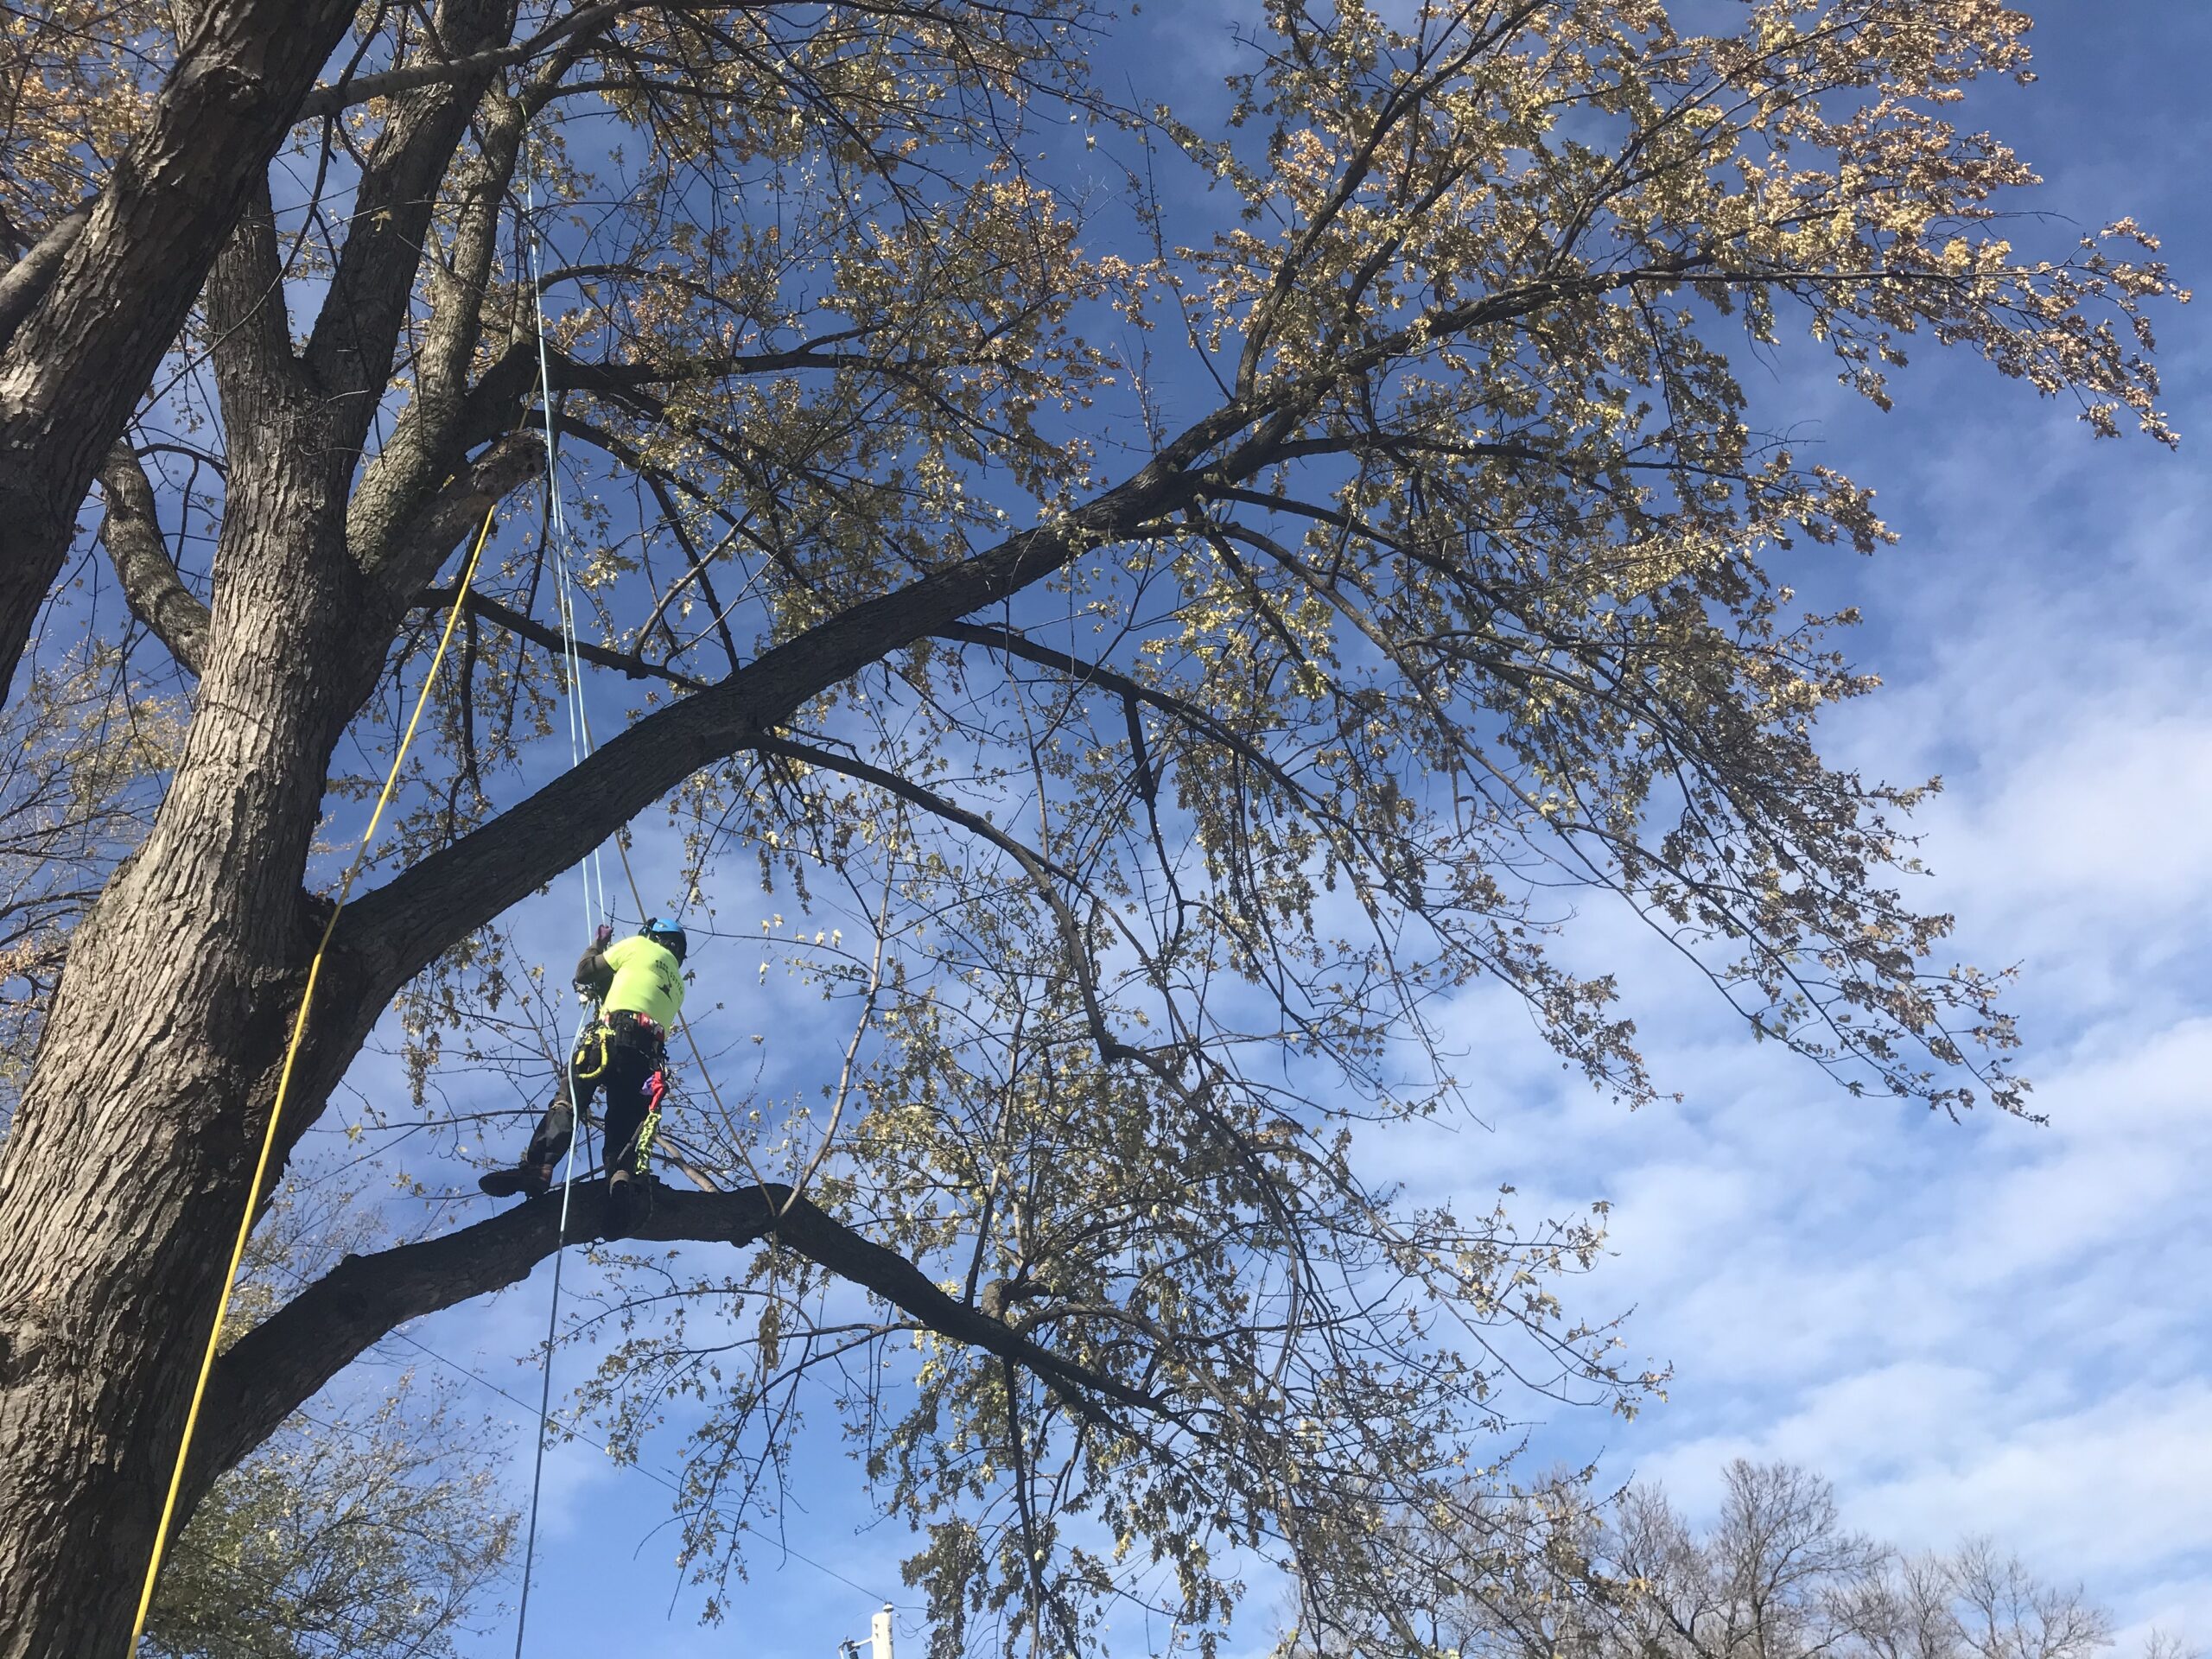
(629, 1202)
(535, 1179)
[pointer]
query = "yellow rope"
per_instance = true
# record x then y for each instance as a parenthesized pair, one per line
(284, 1083)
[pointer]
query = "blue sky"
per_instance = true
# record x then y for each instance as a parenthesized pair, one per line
(1979, 1327)
(1988, 1327)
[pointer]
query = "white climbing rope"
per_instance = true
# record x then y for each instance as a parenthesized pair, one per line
(594, 883)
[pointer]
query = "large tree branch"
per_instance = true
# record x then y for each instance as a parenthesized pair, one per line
(27, 280)
(132, 532)
(432, 431)
(393, 932)
(514, 379)
(251, 337)
(617, 379)
(439, 523)
(471, 66)
(82, 354)
(357, 330)
(280, 1364)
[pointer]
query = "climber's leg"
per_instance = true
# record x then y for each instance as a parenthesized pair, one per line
(534, 1174)
(634, 1086)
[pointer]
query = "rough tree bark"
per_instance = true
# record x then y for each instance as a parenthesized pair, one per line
(151, 587)
(169, 1018)
(103, 299)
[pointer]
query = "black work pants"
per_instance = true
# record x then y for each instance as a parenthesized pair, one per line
(632, 1070)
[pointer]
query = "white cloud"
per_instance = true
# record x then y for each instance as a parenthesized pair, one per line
(2122, 1485)
(1983, 1327)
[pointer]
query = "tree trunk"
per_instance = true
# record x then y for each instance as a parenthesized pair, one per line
(89, 340)
(136, 1136)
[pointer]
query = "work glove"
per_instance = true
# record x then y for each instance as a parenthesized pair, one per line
(604, 937)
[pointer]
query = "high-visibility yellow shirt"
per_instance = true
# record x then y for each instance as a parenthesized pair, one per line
(648, 980)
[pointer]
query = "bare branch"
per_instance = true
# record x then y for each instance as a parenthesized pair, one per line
(470, 66)
(536, 632)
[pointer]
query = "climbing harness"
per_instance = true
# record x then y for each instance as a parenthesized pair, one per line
(584, 1064)
(596, 1044)
(284, 1083)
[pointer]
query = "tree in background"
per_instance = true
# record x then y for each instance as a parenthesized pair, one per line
(1184, 642)
(1556, 1572)
(84, 747)
(373, 1534)
(1778, 1574)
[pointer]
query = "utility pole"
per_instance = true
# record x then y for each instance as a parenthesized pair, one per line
(879, 1638)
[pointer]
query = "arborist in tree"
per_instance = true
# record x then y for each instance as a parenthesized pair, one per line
(638, 985)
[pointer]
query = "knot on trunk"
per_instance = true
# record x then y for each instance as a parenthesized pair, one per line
(999, 1295)
(18, 1358)
(233, 87)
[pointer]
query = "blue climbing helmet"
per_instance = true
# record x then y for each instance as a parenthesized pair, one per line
(669, 935)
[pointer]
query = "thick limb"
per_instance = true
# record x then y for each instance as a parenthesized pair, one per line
(277, 1367)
